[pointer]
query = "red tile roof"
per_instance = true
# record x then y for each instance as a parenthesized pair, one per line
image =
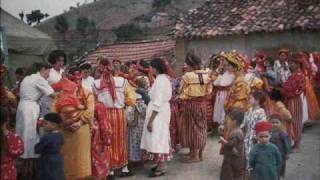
(132, 51)
(230, 17)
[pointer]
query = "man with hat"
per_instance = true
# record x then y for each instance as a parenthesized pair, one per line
(281, 66)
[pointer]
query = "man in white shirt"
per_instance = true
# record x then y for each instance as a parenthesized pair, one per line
(281, 66)
(87, 80)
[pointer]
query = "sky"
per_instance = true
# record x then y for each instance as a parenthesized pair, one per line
(52, 7)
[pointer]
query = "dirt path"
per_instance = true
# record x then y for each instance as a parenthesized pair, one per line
(304, 165)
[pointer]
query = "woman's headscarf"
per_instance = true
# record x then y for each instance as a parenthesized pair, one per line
(107, 80)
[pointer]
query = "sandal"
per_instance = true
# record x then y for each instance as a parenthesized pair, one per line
(157, 174)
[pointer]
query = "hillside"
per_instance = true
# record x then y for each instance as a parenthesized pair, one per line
(108, 15)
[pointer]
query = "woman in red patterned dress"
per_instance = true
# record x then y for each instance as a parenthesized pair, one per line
(292, 89)
(101, 141)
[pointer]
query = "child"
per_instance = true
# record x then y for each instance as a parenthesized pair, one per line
(49, 147)
(136, 121)
(265, 158)
(281, 109)
(255, 114)
(11, 148)
(280, 139)
(233, 159)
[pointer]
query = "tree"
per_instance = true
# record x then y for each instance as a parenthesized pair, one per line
(21, 15)
(46, 15)
(84, 25)
(62, 27)
(35, 17)
(61, 24)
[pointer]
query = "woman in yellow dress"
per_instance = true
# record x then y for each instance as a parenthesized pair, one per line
(77, 119)
(196, 87)
(238, 94)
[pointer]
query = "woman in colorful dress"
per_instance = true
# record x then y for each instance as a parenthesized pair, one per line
(115, 93)
(76, 123)
(316, 79)
(313, 109)
(195, 88)
(292, 90)
(221, 86)
(156, 135)
(33, 87)
(100, 143)
(238, 95)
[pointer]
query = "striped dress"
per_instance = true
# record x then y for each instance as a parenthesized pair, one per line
(116, 114)
(195, 89)
(292, 90)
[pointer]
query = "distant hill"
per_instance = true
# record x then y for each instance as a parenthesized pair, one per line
(108, 15)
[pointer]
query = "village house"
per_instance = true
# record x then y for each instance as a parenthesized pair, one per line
(247, 26)
(133, 51)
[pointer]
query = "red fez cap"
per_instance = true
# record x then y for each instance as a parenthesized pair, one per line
(263, 126)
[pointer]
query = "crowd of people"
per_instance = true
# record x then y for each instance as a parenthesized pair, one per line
(84, 122)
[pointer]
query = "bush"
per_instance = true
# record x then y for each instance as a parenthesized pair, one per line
(128, 31)
(84, 25)
(160, 3)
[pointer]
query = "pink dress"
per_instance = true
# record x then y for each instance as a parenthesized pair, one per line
(14, 148)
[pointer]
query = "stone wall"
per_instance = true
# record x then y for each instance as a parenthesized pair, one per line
(248, 44)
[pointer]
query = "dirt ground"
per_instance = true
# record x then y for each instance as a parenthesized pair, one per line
(304, 165)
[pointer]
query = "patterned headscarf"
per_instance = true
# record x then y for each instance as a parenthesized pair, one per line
(235, 59)
(107, 80)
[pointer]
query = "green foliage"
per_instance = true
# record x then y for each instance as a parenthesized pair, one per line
(84, 25)
(128, 31)
(61, 24)
(159, 4)
(35, 17)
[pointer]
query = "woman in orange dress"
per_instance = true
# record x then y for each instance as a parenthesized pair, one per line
(313, 106)
(115, 93)
(316, 79)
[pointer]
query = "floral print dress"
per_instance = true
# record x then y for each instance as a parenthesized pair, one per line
(251, 117)
(135, 132)
(14, 148)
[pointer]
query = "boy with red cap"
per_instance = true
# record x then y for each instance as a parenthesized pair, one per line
(265, 158)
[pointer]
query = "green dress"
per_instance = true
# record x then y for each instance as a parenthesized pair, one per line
(265, 161)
